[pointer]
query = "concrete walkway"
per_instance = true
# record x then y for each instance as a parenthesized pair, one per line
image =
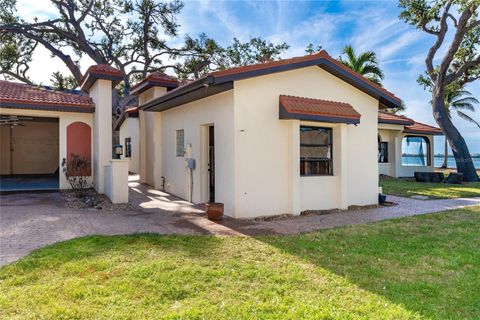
(32, 220)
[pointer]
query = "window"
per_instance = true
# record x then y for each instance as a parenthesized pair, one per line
(416, 151)
(315, 151)
(382, 151)
(128, 147)
(180, 143)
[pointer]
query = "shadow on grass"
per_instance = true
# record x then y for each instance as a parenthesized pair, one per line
(99, 246)
(429, 264)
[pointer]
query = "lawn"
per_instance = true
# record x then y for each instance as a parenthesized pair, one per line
(424, 267)
(409, 187)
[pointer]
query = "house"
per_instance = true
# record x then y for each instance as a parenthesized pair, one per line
(41, 127)
(404, 145)
(128, 122)
(279, 137)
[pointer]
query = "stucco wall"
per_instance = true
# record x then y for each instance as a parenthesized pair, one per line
(130, 128)
(388, 135)
(193, 118)
(394, 136)
(64, 119)
(265, 152)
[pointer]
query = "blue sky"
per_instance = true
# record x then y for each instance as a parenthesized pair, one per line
(367, 25)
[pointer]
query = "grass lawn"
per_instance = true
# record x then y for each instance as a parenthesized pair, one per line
(409, 187)
(424, 267)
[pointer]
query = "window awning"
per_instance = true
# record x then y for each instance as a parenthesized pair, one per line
(317, 110)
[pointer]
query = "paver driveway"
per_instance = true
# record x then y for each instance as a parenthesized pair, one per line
(33, 220)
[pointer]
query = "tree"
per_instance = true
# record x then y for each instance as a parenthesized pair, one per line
(365, 64)
(204, 55)
(311, 49)
(459, 65)
(130, 35)
(459, 100)
(62, 82)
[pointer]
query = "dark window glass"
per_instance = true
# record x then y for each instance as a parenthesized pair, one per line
(315, 151)
(383, 152)
(128, 147)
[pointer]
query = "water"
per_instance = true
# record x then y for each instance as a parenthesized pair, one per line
(438, 161)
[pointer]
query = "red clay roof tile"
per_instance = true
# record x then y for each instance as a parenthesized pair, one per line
(19, 95)
(155, 79)
(323, 109)
(100, 71)
(390, 118)
(420, 128)
(322, 54)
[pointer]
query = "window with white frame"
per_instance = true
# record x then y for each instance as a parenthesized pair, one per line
(180, 146)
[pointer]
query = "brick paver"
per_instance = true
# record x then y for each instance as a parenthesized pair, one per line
(32, 220)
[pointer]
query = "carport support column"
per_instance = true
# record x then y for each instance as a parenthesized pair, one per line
(101, 94)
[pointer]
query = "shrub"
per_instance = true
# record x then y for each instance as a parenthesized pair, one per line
(77, 171)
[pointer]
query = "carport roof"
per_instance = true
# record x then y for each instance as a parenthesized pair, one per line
(24, 96)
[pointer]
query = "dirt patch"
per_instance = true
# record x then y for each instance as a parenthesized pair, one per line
(92, 200)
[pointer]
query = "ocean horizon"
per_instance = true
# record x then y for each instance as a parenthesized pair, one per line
(438, 161)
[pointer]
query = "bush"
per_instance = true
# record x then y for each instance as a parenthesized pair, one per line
(77, 170)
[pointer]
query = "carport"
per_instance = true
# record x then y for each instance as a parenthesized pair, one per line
(29, 148)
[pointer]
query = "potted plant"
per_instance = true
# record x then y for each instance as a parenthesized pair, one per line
(214, 210)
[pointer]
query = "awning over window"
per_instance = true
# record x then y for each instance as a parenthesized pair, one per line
(317, 110)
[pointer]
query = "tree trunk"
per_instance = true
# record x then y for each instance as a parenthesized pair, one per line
(445, 157)
(459, 147)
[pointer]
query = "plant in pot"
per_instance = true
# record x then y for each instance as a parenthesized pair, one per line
(214, 210)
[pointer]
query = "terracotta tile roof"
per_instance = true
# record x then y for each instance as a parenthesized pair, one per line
(223, 81)
(100, 71)
(317, 110)
(422, 128)
(322, 54)
(24, 96)
(390, 118)
(155, 79)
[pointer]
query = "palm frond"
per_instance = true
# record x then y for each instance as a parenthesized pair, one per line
(468, 118)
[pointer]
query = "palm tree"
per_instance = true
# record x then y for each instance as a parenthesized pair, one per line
(458, 99)
(365, 64)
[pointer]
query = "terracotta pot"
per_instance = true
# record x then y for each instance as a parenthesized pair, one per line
(214, 210)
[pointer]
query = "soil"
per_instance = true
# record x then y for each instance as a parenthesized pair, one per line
(92, 200)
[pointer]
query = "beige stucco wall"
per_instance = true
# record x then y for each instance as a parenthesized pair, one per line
(267, 179)
(130, 128)
(101, 94)
(394, 136)
(64, 119)
(193, 118)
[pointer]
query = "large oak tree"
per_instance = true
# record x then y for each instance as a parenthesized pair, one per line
(455, 26)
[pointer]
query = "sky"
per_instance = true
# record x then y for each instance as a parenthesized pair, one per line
(366, 25)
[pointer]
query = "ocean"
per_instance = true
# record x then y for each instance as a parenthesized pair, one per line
(438, 161)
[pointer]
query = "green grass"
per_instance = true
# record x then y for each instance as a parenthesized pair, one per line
(409, 187)
(424, 267)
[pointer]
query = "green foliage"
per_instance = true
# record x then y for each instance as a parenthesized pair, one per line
(62, 82)
(364, 63)
(422, 267)
(311, 49)
(204, 54)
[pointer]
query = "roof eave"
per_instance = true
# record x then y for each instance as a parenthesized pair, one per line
(47, 107)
